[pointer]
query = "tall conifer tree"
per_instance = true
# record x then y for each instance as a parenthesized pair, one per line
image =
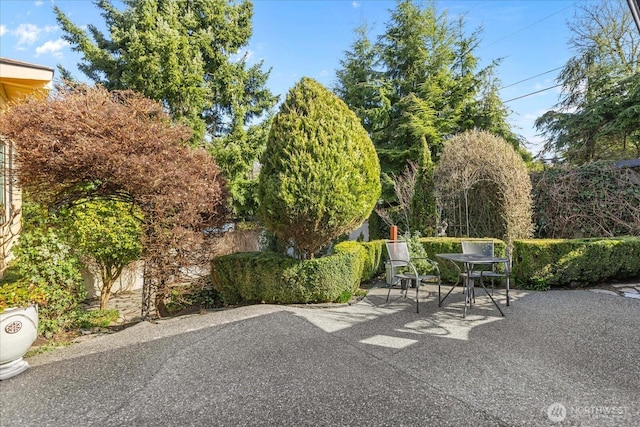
(188, 55)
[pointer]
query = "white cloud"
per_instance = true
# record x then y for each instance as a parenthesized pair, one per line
(52, 47)
(28, 33)
(38, 3)
(355, 4)
(3, 30)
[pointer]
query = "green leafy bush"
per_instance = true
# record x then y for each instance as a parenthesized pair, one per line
(45, 260)
(96, 318)
(537, 264)
(369, 256)
(20, 294)
(544, 263)
(200, 294)
(320, 176)
(272, 278)
(105, 234)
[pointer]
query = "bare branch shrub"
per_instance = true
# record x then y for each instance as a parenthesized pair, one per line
(483, 188)
(399, 212)
(88, 143)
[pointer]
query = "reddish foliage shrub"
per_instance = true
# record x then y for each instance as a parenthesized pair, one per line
(90, 143)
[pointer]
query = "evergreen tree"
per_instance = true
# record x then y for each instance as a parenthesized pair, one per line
(361, 85)
(182, 53)
(490, 114)
(178, 52)
(423, 204)
(426, 68)
(320, 176)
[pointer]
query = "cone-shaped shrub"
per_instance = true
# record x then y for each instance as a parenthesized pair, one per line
(320, 174)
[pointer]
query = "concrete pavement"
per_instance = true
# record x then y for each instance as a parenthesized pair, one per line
(557, 358)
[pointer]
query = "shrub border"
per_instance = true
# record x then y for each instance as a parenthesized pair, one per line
(266, 277)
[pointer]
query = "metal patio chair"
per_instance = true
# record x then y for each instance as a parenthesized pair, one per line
(485, 248)
(399, 257)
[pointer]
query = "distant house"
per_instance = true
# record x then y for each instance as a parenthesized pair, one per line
(17, 80)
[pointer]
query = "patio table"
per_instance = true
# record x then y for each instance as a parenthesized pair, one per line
(468, 261)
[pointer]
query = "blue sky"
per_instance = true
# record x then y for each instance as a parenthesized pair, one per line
(297, 38)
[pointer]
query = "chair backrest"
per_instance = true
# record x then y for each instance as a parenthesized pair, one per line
(478, 247)
(398, 251)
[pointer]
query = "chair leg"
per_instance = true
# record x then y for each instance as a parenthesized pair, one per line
(467, 297)
(417, 299)
(472, 291)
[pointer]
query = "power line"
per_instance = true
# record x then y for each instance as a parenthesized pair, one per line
(530, 78)
(533, 93)
(529, 26)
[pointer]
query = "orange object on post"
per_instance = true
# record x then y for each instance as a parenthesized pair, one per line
(394, 232)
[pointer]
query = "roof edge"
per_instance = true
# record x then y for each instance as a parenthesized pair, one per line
(24, 64)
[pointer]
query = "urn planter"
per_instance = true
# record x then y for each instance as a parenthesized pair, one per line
(18, 330)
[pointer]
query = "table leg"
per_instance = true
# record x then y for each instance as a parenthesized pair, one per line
(492, 300)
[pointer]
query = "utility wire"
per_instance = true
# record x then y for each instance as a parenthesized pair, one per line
(529, 78)
(533, 93)
(528, 26)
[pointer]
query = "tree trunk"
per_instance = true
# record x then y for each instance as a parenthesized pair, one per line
(105, 293)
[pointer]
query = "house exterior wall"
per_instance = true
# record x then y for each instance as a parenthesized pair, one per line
(17, 80)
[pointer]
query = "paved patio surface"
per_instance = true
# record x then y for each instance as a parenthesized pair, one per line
(557, 358)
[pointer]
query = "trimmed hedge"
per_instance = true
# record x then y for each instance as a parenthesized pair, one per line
(370, 257)
(271, 278)
(540, 264)
(537, 264)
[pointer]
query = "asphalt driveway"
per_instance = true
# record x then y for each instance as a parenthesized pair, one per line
(557, 358)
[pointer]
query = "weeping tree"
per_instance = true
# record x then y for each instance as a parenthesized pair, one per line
(320, 176)
(91, 144)
(483, 187)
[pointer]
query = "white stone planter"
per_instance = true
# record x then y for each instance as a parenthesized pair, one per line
(18, 330)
